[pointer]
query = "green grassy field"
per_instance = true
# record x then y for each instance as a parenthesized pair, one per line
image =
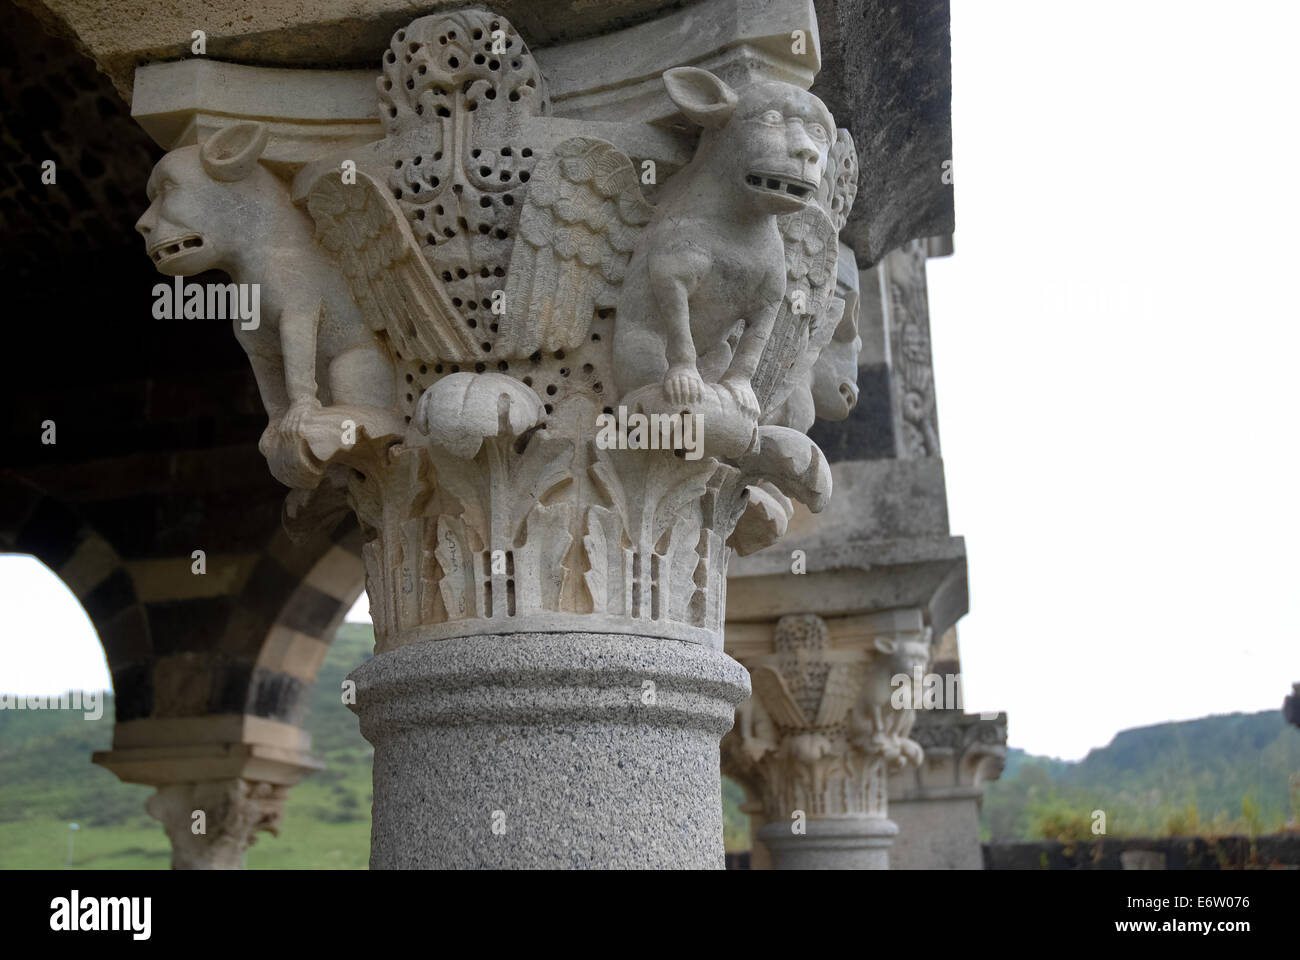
(47, 781)
(1231, 774)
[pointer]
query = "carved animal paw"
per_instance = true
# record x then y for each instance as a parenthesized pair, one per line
(883, 745)
(744, 394)
(683, 385)
(266, 443)
(297, 416)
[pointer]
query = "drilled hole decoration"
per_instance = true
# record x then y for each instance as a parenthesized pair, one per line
(469, 229)
(413, 378)
(554, 378)
(435, 57)
(582, 372)
(448, 93)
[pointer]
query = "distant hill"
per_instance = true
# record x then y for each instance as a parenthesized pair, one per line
(1216, 775)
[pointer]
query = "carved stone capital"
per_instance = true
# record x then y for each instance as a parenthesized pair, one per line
(822, 731)
(556, 391)
(558, 347)
(963, 752)
(212, 823)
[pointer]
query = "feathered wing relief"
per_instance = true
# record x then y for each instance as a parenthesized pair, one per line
(806, 319)
(580, 222)
(390, 279)
(582, 215)
(771, 690)
(843, 687)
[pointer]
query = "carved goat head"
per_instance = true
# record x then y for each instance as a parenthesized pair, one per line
(905, 653)
(770, 141)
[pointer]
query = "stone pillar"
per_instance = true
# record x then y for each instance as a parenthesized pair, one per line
(882, 549)
(848, 843)
(937, 803)
(556, 403)
(212, 824)
(821, 734)
(219, 780)
(548, 750)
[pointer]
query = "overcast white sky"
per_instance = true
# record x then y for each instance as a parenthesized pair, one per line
(1115, 349)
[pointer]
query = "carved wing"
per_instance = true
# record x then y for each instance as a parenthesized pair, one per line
(771, 690)
(801, 371)
(811, 254)
(392, 283)
(843, 686)
(580, 221)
